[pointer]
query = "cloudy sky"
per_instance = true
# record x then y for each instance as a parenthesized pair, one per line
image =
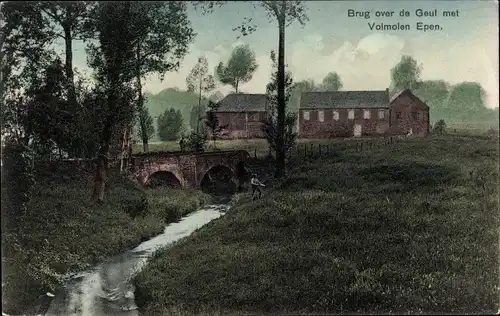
(466, 49)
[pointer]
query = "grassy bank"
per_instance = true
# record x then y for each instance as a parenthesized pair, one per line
(407, 228)
(64, 231)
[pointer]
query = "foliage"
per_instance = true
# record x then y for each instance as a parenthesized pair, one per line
(201, 82)
(169, 124)
(147, 122)
(467, 98)
(439, 128)
(212, 121)
(195, 141)
(269, 125)
(196, 117)
(331, 82)
(198, 79)
(239, 68)
(406, 74)
(172, 204)
(165, 34)
(284, 13)
(113, 61)
(313, 245)
(175, 99)
(216, 97)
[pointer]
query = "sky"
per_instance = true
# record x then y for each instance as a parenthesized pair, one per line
(464, 49)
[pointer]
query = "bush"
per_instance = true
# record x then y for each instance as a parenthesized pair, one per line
(169, 124)
(439, 127)
(172, 204)
(195, 141)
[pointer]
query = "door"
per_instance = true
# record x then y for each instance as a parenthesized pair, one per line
(357, 130)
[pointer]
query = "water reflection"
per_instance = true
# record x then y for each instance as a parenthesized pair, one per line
(107, 289)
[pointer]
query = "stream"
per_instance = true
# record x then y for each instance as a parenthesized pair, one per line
(107, 288)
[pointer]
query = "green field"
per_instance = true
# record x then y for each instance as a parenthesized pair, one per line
(410, 227)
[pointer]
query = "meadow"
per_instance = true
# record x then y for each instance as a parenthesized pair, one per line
(63, 231)
(408, 227)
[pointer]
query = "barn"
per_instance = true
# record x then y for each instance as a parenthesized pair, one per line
(361, 113)
(343, 114)
(409, 114)
(243, 113)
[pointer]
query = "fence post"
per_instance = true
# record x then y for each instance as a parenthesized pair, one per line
(255, 153)
(319, 146)
(312, 149)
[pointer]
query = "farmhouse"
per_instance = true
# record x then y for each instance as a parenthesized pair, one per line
(361, 113)
(409, 114)
(243, 113)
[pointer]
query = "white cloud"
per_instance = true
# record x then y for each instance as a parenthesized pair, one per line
(364, 65)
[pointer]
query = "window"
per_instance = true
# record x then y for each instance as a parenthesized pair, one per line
(336, 115)
(321, 116)
(366, 114)
(415, 116)
(381, 114)
(306, 115)
(351, 114)
(398, 115)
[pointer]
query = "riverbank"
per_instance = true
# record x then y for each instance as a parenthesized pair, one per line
(63, 231)
(408, 228)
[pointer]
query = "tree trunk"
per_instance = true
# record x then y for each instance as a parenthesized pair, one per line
(236, 86)
(199, 108)
(68, 41)
(140, 100)
(280, 152)
(102, 164)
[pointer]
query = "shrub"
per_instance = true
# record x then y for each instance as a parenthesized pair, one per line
(439, 127)
(195, 141)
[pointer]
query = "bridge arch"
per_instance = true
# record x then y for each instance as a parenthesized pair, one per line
(161, 178)
(145, 175)
(206, 172)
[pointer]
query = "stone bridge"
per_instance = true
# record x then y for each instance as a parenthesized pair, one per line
(188, 167)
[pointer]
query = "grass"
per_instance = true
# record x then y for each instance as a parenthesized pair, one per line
(407, 228)
(64, 231)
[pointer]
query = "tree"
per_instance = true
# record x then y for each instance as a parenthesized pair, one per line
(200, 81)
(284, 13)
(69, 21)
(406, 74)
(24, 50)
(466, 100)
(270, 124)
(113, 61)
(239, 68)
(146, 128)
(164, 36)
(196, 117)
(169, 125)
(216, 97)
(212, 121)
(306, 86)
(439, 127)
(434, 93)
(331, 82)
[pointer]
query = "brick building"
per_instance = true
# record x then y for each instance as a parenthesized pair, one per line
(361, 113)
(243, 113)
(409, 114)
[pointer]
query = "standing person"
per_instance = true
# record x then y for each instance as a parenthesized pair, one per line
(256, 186)
(182, 143)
